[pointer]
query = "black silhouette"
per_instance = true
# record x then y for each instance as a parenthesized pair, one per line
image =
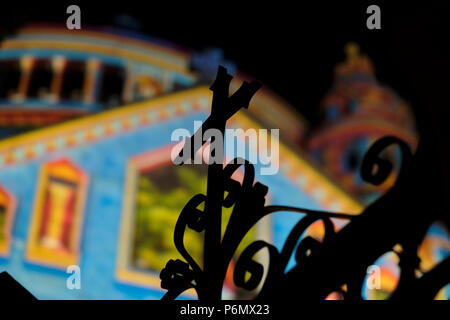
(323, 267)
(13, 290)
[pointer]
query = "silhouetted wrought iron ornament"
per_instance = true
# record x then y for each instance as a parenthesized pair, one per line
(340, 258)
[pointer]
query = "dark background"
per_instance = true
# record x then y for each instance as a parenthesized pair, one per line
(293, 46)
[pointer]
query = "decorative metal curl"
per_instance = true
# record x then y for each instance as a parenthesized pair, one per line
(375, 169)
(309, 278)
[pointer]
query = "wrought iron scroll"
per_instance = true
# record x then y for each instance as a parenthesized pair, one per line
(321, 266)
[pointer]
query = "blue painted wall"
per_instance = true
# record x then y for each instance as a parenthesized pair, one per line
(105, 162)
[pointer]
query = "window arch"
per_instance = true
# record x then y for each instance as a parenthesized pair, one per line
(57, 216)
(7, 210)
(156, 191)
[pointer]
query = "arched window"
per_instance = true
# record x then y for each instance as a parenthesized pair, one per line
(41, 79)
(56, 223)
(155, 193)
(7, 209)
(332, 112)
(73, 81)
(111, 86)
(146, 87)
(9, 78)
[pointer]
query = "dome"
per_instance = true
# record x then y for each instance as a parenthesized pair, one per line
(357, 111)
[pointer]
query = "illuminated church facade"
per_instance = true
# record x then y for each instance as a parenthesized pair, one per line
(92, 184)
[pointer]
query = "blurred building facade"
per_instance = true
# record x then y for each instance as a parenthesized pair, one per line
(356, 112)
(86, 177)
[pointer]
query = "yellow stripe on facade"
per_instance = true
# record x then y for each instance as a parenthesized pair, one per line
(103, 117)
(99, 34)
(84, 47)
(298, 163)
